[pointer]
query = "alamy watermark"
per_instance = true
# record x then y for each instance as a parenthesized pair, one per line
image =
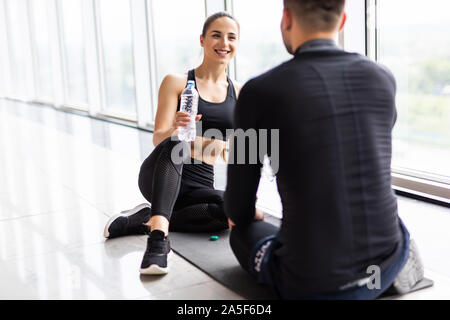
(246, 147)
(373, 282)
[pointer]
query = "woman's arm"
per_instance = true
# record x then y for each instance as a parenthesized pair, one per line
(168, 94)
(167, 118)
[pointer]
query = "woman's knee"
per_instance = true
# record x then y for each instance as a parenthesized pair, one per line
(145, 179)
(160, 155)
(177, 151)
(162, 152)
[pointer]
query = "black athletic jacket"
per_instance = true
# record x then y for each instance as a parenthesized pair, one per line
(335, 112)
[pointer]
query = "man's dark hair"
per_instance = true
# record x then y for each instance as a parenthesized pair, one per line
(316, 15)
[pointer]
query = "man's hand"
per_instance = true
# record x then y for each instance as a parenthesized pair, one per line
(259, 214)
(230, 224)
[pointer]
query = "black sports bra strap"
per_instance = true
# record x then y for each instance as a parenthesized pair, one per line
(231, 89)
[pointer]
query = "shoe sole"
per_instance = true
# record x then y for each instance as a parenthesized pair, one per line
(125, 213)
(412, 273)
(154, 269)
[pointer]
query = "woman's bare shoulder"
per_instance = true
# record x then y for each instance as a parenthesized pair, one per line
(174, 81)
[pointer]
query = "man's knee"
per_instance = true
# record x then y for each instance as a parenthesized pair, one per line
(239, 241)
(240, 250)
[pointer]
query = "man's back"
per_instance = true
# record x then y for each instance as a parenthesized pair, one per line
(335, 112)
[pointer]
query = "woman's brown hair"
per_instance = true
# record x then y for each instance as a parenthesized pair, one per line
(214, 17)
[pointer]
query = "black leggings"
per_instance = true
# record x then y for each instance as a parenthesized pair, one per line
(190, 207)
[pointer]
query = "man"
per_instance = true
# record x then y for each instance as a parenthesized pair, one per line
(340, 237)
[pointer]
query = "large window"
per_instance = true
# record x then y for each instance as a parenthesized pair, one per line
(73, 43)
(177, 25)
(413, 41)
(19, 47)
(4, 74)
(116, 36)
(43, 67)
(115, 62)
(261, 46)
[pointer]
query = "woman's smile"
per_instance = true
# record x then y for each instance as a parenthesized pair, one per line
(222, 53)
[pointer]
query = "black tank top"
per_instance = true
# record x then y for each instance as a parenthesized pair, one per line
(214, 116)
(217, 116)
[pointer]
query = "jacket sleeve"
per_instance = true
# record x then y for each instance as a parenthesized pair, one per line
(244, 163)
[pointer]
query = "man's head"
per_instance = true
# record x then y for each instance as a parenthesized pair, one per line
(311, 19)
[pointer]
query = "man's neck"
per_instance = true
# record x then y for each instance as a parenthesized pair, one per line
(300, 39)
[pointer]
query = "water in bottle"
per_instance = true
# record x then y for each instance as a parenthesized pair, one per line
(189, 104)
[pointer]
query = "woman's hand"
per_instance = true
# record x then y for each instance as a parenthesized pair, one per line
(182, 119)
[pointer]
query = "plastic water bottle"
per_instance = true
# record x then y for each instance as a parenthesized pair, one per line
(189, 104)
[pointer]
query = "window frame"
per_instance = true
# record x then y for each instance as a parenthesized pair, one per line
(35, 58)
(5, 89)
(361, 37)
(28, 68)
(75, 105)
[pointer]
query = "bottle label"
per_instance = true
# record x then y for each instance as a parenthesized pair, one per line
(187, 103)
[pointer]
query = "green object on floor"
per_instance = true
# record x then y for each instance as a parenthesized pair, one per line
(214, 238)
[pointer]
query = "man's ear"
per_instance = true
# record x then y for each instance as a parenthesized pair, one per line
(344, 19)
(202, 41)
(286, 20)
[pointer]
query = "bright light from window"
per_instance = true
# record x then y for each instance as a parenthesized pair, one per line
(261, 46)
(115, 20)
(414, 43)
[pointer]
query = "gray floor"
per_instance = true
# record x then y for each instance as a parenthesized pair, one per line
(62, 176)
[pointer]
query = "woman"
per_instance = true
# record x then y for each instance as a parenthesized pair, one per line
(182, 195)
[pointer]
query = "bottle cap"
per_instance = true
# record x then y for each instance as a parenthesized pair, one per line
(214, 238)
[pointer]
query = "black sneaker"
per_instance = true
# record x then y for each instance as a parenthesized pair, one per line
(129, 222)
(157, 254)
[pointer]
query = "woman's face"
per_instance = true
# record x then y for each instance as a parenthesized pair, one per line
(221, 40)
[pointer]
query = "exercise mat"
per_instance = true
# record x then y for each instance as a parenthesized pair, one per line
(217, 260)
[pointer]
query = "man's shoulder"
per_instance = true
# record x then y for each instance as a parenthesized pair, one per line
(376, 71)
(293, 66)
(361, 62)
(353, 63)
(270, 77)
